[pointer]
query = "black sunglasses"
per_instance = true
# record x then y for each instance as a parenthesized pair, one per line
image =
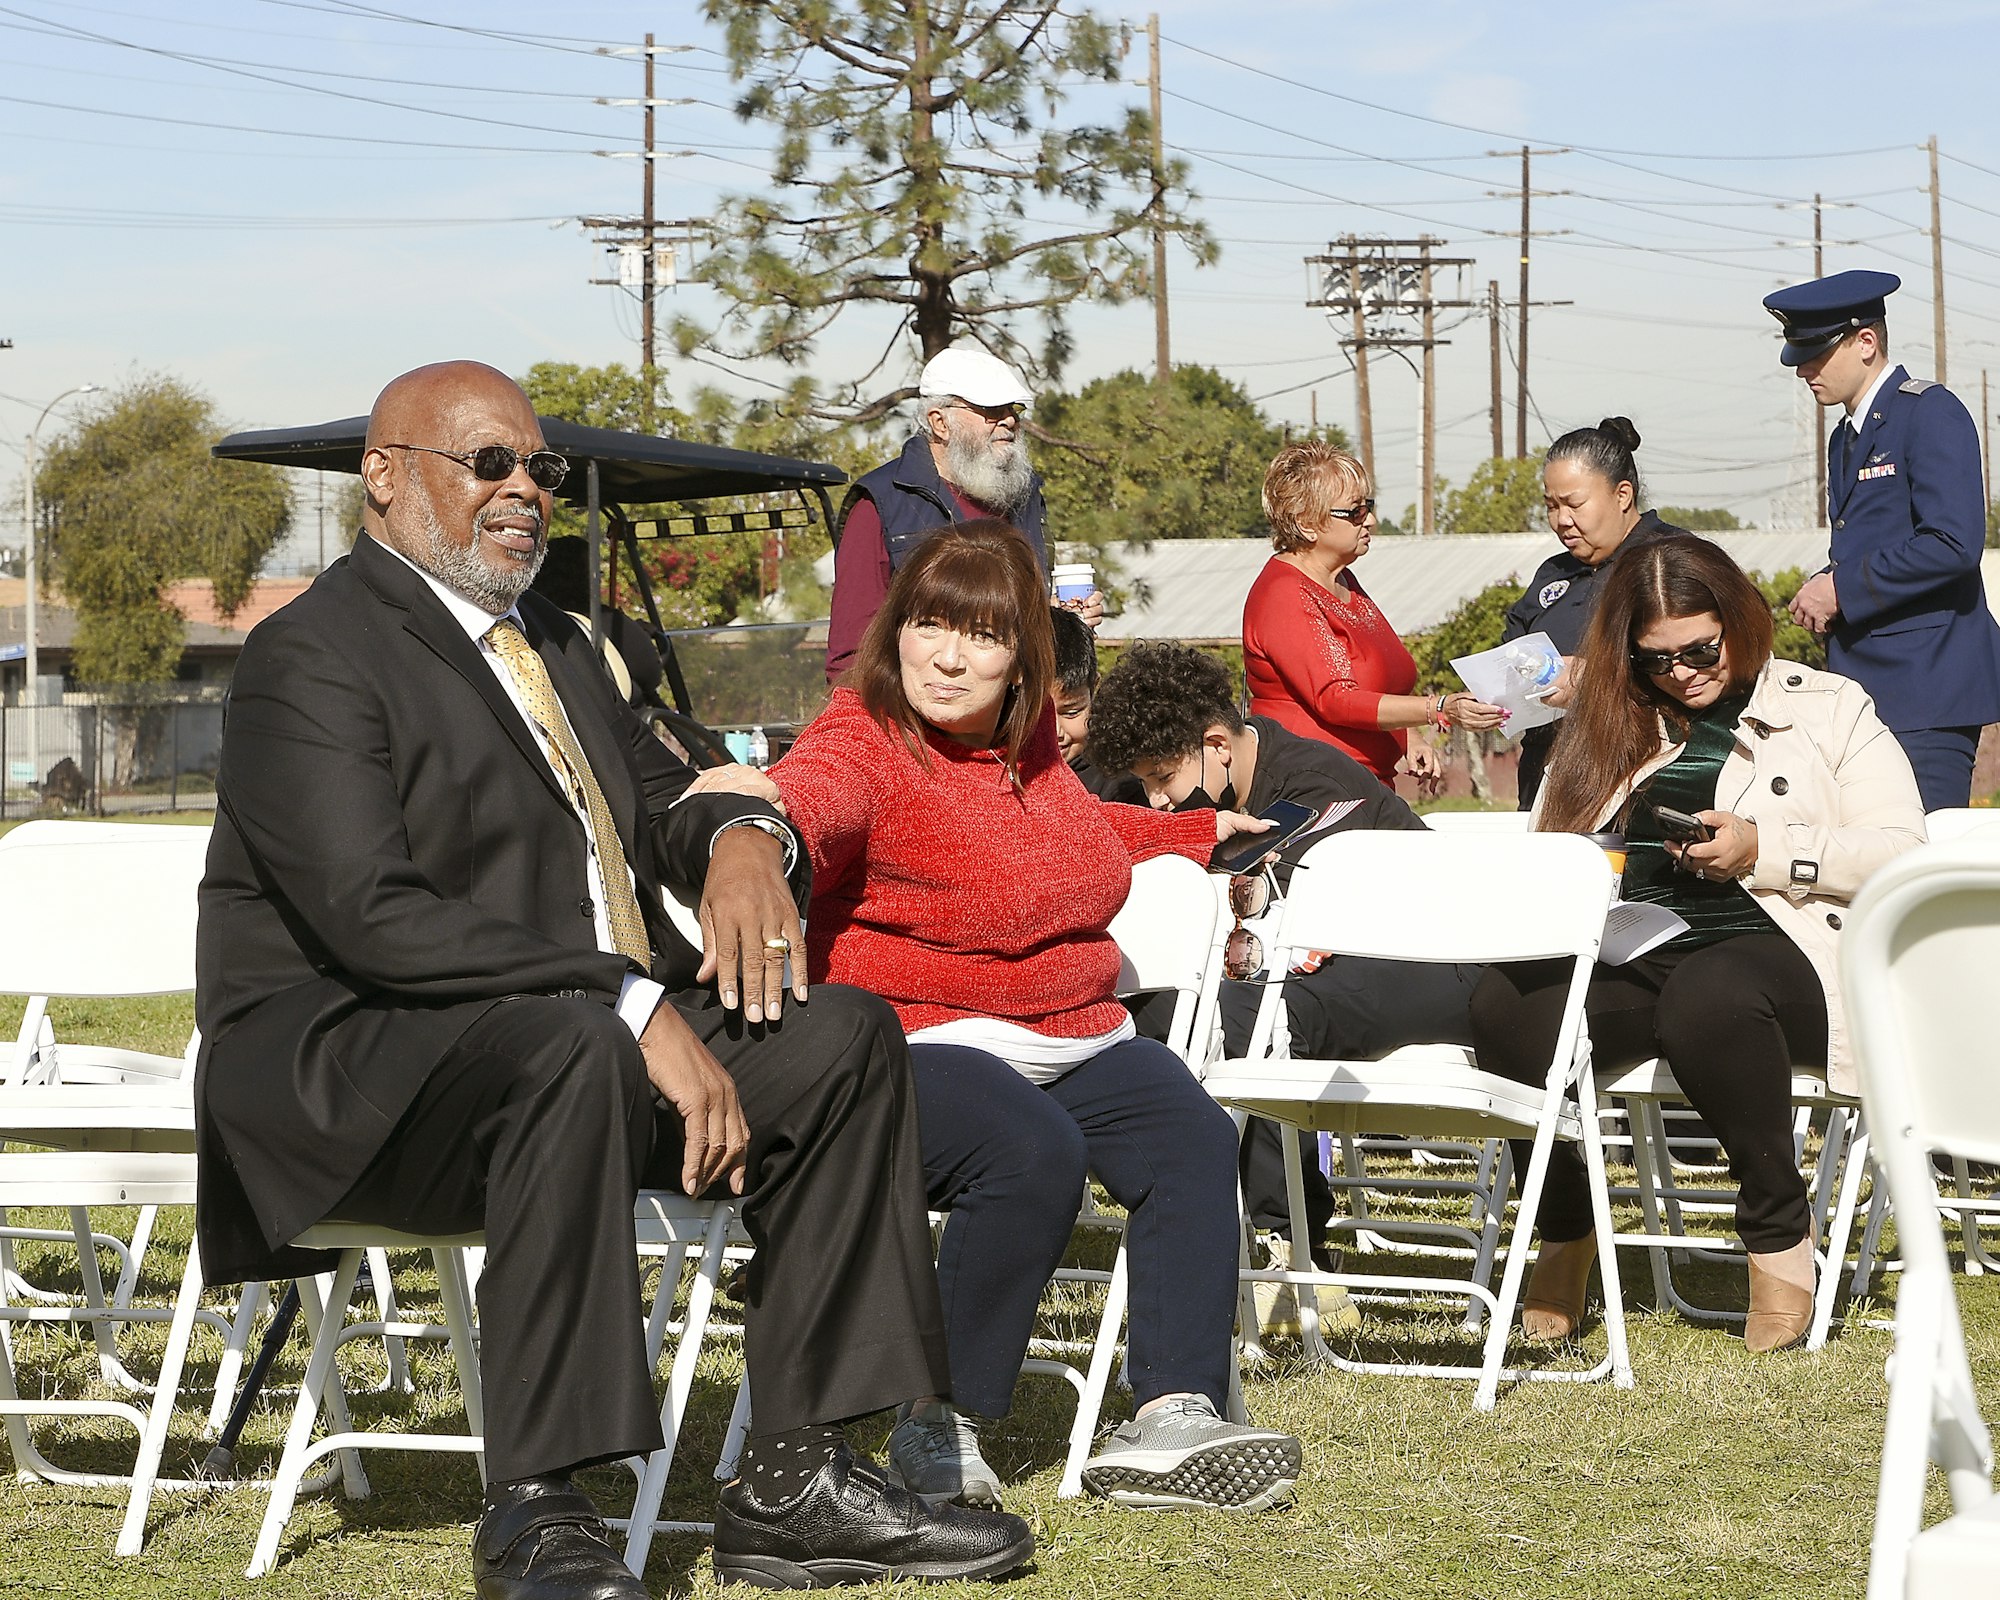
(1658, 663)
(1352, 513)
(495, 463)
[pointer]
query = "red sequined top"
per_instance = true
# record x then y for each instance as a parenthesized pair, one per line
(1320, 660)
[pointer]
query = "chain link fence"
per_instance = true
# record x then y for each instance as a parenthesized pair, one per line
(110, 754)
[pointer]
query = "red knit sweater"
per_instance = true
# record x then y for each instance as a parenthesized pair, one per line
(951, 894)
(1320, 662)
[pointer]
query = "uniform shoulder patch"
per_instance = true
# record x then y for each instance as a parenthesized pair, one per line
(1915, 385)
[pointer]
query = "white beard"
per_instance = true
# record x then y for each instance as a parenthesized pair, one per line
(459, 567)
(997, 476)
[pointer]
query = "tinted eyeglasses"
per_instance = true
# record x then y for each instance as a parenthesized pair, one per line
(1352, 513)
(495, 463)
(993, 414)
(1658, 663)
(1243, 953)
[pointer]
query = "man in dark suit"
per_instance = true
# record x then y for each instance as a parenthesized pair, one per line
(438, 992)
(1901, 602)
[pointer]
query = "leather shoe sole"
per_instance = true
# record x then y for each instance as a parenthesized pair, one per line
(775, 1572)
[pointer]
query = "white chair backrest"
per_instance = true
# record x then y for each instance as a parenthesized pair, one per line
(1955, 822)
(1448, 897)
(99, 908)
(1508, 822)
(1921, 944)
(1169, 937)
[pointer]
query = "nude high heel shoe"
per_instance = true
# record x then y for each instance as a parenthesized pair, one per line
(1781, 1297)
(1553, 1305)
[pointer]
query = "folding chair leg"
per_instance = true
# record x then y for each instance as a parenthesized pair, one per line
(153, 1442)
(1302, 1243)
(105, 1334)
(255, 1297)
(394, 1347)
(1647, 1160)
(1090, 1403)
(312, 1395)
(1487, 1395)
(1871, 1234)
(456, 1298)
(135, 1255)
(1496, 1172)
(734, 1435)
(1607, 1258)
(1854, 1159)
(313, 1310)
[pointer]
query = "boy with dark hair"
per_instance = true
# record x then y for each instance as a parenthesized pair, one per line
(1076, 684)
(1168, 714)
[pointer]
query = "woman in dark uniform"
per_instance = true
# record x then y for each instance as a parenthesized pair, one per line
(1590, 491)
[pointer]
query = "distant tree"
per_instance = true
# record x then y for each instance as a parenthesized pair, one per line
(1503, 495)
(1993, 524)
(131, 501)
(1788, 638)
(1130, 461)
(611, 396)
(914, 140)
(1700, 519)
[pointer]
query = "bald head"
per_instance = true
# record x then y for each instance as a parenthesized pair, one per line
(482, 538)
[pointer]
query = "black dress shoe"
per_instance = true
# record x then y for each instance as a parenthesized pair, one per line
(852, 1525)
(543, 1540)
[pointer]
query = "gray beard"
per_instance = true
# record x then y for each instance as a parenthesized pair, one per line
(459, 567)
(997, 479)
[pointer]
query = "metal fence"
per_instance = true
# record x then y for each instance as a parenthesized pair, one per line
(109, 754)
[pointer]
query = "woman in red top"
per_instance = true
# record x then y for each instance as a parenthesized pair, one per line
(1318, 655)
(962, 872)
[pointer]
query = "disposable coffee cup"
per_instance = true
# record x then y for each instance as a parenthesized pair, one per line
(1612, 843)
(1074, 580)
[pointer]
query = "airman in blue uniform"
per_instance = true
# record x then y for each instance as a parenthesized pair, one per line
(1900, 602)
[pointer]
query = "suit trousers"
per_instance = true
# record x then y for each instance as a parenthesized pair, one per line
(1942, 759)
(1731, 1018)
(541, 1125)
(1008, 1158)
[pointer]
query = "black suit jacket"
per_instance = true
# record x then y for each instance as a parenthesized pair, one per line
(393, 855)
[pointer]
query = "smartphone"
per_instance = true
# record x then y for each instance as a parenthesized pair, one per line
(1682, 828)
(1243, 852)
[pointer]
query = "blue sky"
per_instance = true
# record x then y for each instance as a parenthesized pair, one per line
(292, 261)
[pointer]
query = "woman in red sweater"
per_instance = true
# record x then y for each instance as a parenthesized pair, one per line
(962, 872)
(1318, 655)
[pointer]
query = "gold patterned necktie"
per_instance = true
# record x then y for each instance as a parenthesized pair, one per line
(531, 677)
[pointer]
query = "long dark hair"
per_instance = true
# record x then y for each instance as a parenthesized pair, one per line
(1613, 726)
(978, 574)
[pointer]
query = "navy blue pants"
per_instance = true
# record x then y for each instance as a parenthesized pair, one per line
(1942, 759)
(1008, 1158)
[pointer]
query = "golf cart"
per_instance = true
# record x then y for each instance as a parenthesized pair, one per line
(610, 470)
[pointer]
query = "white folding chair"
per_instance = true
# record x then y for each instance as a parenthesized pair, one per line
(1432, 897)
(98, 910)
(1506, 823)
(1920, 946)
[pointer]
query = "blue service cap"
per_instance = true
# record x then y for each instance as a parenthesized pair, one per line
(1818, 315)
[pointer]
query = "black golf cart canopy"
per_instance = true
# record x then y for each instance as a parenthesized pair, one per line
(630, 468)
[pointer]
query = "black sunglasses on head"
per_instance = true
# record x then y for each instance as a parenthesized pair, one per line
(495, 463)
(1658, 663)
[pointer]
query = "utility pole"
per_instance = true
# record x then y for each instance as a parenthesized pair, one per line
(644, 264)
(1493, 340)
(1985, 437)
(321, 476)
(1819, 428)
(1521, 335)
(1937, 265)
(1387, 285)
(1163, 365)
(1363, 415)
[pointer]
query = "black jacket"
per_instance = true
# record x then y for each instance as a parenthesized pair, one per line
(392, 856)
(1316, 774)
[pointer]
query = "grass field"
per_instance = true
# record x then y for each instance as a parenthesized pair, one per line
(1718, 1476)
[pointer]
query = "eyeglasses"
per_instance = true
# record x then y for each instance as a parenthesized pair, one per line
(1352, 513)
(1658, 663)
(993, 414)
(1243, 952)
(495, 463)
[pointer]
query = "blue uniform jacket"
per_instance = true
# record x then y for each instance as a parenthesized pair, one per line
(1909, 523)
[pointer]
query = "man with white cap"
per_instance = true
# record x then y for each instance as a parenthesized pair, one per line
(965, 460)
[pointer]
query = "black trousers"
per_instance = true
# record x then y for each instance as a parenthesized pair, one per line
(1731, 1018)
(540, 1126)
(1008, 1157)
(1353, 1008)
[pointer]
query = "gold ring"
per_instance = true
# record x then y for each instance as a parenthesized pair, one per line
(778, 946)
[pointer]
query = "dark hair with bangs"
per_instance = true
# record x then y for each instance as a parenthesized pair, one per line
(1613, 725)
(973, 575)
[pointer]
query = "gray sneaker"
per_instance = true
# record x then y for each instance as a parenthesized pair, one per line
(936, 1457)
(1181, 1454)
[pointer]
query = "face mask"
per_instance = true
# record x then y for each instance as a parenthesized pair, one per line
(1198, 798)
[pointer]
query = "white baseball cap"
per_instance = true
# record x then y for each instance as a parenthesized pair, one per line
(974, 376)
